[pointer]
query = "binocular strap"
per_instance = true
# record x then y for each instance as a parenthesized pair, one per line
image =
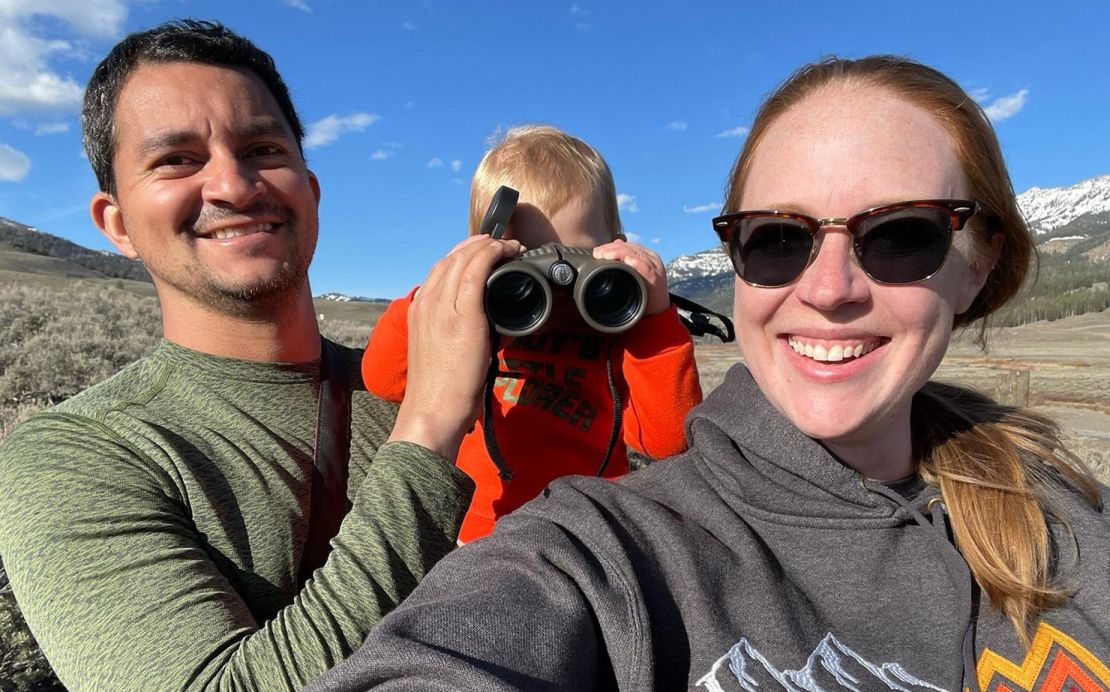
(331, 451)
(504, 472)
(698, 323)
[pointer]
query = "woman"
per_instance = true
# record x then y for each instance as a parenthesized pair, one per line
(838, 522)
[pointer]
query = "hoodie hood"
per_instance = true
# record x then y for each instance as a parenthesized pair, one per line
(773, 469)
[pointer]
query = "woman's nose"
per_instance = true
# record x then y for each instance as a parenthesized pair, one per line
(833, 278)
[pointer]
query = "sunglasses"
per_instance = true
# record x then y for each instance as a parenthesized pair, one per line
(898, 243)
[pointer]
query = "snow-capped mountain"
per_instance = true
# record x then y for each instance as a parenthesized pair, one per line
(344, 298)
(1046, 209)
(705, 263)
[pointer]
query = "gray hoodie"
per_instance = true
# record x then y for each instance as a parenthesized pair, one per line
(755, 561)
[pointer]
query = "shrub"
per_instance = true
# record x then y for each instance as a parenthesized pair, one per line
(54, 343)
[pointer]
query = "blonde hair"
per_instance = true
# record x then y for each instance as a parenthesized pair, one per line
(550, 169)
(997, 467)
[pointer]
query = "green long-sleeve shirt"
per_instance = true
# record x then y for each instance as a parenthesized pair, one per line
(152, 526)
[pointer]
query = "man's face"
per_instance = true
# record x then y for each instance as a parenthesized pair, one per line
(212, 192)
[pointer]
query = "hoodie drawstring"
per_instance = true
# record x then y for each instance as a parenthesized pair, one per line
(957, 568)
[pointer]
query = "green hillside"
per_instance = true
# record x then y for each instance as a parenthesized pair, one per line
(23, 244)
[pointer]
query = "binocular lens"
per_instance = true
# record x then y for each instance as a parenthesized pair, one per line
(612, 298)
(515, 301)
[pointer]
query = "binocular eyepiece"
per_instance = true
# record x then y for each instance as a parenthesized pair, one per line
(521, 293)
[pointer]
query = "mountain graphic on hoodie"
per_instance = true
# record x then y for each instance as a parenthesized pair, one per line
(831, 666)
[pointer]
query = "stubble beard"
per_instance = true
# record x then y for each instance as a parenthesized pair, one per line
(256, 300)
(259, 299)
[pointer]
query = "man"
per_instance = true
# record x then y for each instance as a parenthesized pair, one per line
(161, 528)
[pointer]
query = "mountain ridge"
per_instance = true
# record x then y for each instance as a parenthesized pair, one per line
(18, 237)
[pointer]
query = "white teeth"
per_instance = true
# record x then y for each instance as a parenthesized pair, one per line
(225, 233)
(831, 354)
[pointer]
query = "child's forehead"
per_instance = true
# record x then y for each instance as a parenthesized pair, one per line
(552, 204)
(575, 224)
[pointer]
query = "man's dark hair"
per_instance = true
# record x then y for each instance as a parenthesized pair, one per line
(185, 40)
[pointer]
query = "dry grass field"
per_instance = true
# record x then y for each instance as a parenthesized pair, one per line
(1067, 363)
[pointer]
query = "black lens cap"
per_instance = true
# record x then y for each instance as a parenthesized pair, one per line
(499, 212)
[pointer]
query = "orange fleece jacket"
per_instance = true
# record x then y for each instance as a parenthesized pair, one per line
(553, 412)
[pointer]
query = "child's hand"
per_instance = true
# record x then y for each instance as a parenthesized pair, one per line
(448, 347)
(649, 266)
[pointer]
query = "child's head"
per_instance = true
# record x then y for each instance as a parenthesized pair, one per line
(566, 190)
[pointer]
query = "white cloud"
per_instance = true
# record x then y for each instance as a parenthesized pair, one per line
(456, 165)
(583, 26)
(299, 4)
(1005, 106)
(639, 239)
(330, 128)
(383, 154)
(701, 208)
(979, 94)
(734, 132)
(29, 83)
(14, 164)
(102, 18)
(408, 26)
(51, 129)
(677, 125)
(436, 162)
(576, 9)
(626, 202)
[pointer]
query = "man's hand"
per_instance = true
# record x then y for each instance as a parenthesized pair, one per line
(647, 264)
(448, 347)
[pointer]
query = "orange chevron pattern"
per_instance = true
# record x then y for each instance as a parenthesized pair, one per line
(1055, 663)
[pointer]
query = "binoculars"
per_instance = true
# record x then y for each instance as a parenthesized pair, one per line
(522, 293)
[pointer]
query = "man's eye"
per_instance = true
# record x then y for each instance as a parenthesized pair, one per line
(265, 150)
(176, 160)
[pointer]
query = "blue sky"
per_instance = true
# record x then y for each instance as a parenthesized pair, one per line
(402, 97)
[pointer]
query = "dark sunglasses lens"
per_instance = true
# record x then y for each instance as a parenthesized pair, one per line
(903, 246)
(770, 251)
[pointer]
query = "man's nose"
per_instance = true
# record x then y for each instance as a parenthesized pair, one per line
(231, 182)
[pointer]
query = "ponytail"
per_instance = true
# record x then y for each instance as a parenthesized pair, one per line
(998, 468)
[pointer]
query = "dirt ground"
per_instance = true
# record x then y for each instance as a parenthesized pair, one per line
(1059, 368)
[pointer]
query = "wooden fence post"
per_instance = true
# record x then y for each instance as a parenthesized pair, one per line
(1013, 387)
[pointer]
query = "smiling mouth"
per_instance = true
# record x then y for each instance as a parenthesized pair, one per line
(832, 351)
(238, 231)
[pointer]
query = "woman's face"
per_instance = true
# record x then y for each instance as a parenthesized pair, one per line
(839, 151)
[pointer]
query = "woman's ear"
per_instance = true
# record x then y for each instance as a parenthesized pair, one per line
(979, 270)
(108, 217)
